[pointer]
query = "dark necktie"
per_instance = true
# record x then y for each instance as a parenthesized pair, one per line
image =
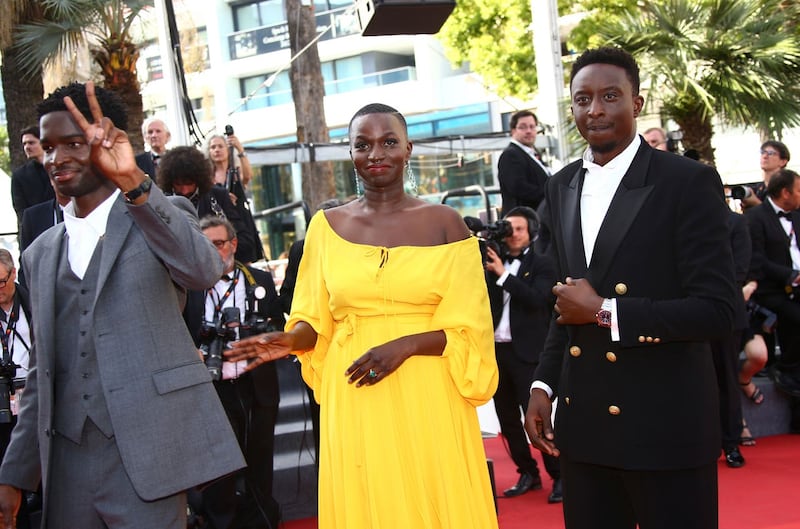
(785, 214)
(155, 159)
(512, 258)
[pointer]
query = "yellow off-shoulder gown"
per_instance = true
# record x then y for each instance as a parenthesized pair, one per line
(407, 452)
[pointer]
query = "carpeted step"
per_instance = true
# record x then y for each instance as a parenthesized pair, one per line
(771, 417)
(294, 462)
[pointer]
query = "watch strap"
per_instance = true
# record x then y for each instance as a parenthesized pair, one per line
(139, 190)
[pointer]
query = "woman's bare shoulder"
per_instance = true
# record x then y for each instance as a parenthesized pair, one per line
(453, 226)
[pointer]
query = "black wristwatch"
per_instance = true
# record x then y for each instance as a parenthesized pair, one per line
(136, 192)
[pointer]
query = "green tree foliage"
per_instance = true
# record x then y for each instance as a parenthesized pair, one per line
(494, 38)
(106, 26)
(5, 159)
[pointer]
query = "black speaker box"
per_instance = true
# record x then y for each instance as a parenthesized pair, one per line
(402, 17)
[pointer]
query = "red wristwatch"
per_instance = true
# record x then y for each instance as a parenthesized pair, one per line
(603, 315)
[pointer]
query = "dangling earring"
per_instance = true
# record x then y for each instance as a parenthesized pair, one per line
(412, 182)
(359, 191)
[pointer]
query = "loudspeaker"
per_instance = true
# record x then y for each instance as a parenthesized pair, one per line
(402, 17)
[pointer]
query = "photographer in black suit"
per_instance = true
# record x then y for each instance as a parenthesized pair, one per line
(520, 284)
(520, 173)
(776, 265)
(241, 303)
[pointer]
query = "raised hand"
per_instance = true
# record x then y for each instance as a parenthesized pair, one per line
(112, 153)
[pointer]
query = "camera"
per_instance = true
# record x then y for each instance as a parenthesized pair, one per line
(8, 370)
(214, 336)
(490, 235)
(741, 192)
(228, 130)
(761, 317)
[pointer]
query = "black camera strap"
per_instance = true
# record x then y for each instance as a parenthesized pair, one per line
(7, 337)
(224, 297)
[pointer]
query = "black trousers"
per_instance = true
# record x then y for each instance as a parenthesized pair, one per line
(510, 400)
(726, 362)
(243, 500)
(597, 496)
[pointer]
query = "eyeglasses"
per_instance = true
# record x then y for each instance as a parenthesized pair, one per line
(4, 282)
(527, 127)
(769, 152)
(220, 244)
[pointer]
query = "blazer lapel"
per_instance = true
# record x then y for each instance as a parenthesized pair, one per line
(117, 228)
(44, 289)
(625, 206)
(569, 212)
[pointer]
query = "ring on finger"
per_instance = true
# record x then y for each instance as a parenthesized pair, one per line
(372, 374)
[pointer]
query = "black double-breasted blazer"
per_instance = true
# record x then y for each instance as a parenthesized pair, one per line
(530, 303)
(648, 401)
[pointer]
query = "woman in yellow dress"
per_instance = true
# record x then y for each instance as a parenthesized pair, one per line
(391, 322)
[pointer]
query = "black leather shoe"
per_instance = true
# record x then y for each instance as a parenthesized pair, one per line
(734, 458)
(556, 495)
(526, 482)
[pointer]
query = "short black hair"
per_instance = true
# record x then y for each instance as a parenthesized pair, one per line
(609, 55)
(378, 108)
(783, 150)
(783, 179)
(184, 164)
(516, 116)
(110, 103)
(33, 130)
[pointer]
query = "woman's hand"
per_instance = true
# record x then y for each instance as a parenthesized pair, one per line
(377, 363)
(262, 348)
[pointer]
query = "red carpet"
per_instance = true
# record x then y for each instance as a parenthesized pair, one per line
(761, 495)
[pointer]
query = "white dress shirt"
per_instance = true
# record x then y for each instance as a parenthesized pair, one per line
(83, 233)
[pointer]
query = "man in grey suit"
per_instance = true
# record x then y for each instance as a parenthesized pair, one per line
(116, 390)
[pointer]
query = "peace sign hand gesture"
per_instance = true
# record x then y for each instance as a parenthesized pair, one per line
(112, 153)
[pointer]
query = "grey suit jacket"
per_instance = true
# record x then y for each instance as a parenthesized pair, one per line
(169, 425)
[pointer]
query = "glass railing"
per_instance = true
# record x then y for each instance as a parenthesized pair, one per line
(338, 86)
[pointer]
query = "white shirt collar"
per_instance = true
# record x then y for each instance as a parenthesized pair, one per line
(622, 160)
(83, 233)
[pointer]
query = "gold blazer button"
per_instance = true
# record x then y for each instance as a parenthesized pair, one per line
(611, 357)
(614, 410)
(575, 351)
(621, 289)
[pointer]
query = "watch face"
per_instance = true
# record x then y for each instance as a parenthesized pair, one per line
(604, 318)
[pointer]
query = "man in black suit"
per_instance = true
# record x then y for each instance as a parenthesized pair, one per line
(157, 135)
(38, 218)
(521, 175)
(30, 184)
(244, 499)
(640, 238)
(776, 266)
(519, 293)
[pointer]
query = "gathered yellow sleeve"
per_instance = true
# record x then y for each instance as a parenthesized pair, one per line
(465, 316)
(311, 303)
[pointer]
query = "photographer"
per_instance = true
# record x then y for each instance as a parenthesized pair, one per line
(520, 283)
(185, 171)
(242, 303)
(16, 342)
(774, 226)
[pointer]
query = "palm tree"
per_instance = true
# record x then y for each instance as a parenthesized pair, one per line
(737, 60)
(106, 26)
(21, 93)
